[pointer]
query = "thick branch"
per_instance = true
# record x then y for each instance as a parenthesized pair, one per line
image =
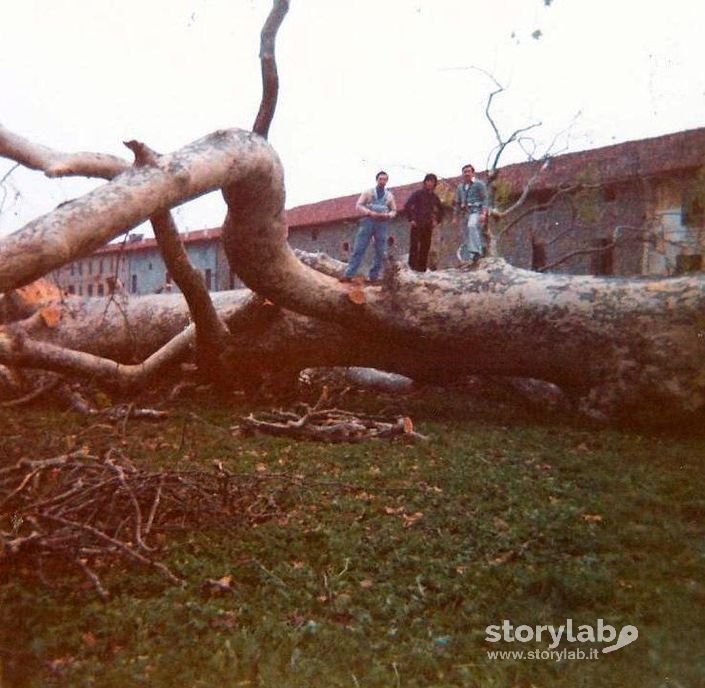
(19, 350)
(211, 333)
(270, 78)
(56, 163)
(79, 227)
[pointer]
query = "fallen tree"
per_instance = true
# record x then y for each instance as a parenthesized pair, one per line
(616, 346)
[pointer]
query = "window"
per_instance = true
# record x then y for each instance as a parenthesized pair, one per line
(314, 235)
(72, 269)
(100, 266)
(101, 290)
(609, 194)
(689, 262)
(693, 203)
(390, 241)
(602, 260)
(149, 266)
(209, 279)
(693, 211)
(538, 254)
(80, 290)
(71, 289)
(90, 290)
(133, 285)
(90, 267)
(542, 196)
(346, 246)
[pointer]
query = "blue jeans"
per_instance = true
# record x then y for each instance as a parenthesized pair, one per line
(369, 231)
(471, 246)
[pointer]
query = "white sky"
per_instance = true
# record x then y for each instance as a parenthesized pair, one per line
(365, 85)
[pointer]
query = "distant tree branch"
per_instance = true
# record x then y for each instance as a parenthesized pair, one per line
(270, 78)
(501, 142)
(524, 194)
(2, 184)
(616, 240)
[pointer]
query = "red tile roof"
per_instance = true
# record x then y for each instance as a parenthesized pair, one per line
(138, 244)
(619, 162)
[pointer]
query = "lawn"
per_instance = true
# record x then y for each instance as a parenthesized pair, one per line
(381, 564)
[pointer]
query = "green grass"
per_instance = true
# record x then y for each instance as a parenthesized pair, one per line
(387, 561)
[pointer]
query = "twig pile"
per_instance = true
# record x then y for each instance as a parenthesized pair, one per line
(87, 512)
(328, 425)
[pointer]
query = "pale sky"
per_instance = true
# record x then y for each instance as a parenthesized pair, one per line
(365, 85)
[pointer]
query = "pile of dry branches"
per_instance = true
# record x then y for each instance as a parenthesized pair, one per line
(328, 425)
(86, 511)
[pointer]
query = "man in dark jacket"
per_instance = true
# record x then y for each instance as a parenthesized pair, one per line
(424, 211)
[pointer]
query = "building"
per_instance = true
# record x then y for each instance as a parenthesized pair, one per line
(628, 209)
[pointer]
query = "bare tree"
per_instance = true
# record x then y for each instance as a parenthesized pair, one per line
(617, 346)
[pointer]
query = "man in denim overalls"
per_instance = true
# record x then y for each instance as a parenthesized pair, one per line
(377, 206)
(470, 212)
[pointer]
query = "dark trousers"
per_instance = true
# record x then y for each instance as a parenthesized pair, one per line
(419, 246)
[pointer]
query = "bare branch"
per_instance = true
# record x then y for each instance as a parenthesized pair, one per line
(3, 188)
(270, 78)
(56, 163)
(596, 249)
(34, 394)
(503, 144)
(77, 228)
(210, 330)
(17, 349)
(524, 194)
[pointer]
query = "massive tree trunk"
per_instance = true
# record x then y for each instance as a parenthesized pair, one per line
(620, 346)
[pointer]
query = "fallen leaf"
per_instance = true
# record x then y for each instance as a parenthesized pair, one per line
(410, 519)
(503, 558)
(219, 586)
(366, 583)
(592, 518)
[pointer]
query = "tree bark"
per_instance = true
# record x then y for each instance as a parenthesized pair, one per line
(619, 346)
(79, 227)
